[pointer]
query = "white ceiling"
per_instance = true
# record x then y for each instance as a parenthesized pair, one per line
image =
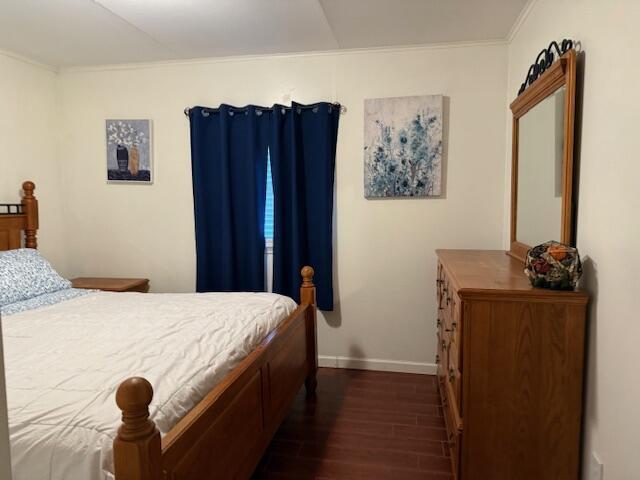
(94, 32)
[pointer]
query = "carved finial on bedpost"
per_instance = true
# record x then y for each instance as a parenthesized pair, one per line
(30, 208)
(307, 277)
(308, 289)
(28, 188)
(308, 297)
(136, 449)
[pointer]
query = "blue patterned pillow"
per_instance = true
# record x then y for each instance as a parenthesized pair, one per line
(25, 274)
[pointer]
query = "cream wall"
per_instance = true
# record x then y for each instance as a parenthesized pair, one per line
(385, 272)
(28, 133)
(28, 151)
(608, 228)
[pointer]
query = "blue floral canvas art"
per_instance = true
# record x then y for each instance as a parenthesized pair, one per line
(403, 147)
(129, 151)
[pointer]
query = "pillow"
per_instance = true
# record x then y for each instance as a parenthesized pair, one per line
(24, 274)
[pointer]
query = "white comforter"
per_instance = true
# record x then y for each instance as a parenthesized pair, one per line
(64, 363)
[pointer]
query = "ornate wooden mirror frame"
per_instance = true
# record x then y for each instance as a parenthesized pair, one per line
(544, 78)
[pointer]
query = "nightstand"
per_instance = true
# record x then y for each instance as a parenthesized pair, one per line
(112, 284)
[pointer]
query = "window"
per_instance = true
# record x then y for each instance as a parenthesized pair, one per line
(268, 212)
(268, 230)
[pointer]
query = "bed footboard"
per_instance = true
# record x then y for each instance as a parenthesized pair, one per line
(225, 435)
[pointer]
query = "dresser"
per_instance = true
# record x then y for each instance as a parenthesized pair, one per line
(510, 361)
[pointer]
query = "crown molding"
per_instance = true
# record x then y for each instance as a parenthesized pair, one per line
(272, 56)
(517, 25)
(28, 61)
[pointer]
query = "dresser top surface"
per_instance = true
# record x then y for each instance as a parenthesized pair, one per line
(493, 271)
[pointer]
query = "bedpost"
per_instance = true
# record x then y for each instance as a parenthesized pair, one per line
(308, 297)
(30, 208)
(136, 449)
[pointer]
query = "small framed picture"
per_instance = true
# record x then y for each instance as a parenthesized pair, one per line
(129, 154)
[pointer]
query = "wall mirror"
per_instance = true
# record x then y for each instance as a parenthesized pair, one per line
(542, 152)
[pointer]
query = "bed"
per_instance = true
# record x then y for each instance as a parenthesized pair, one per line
(225, 366)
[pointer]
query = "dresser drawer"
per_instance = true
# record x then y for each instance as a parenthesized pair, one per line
(440, 287)
(453, 324)
(454, 444)
(454, 377)
(453, 356)
(440, 321)
(442, 360)
(446, 302)
(449, 305)
(453, 424)
(448, 338)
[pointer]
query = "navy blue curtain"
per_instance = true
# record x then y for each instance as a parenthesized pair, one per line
(303, 150)
(229, 161)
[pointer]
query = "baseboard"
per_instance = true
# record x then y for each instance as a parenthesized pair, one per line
(377, 364)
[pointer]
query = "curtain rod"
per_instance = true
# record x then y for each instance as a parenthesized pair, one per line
(342, 108)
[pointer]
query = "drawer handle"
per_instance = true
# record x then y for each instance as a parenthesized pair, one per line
(452, 375)
(437, 359)
(438, 322)
(444, 345)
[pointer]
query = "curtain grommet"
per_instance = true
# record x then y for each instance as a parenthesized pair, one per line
(315, 110)
(204, 113)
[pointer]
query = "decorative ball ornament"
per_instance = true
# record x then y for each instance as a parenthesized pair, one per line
(553, 265)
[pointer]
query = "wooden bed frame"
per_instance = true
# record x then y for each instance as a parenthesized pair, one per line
(226, 434)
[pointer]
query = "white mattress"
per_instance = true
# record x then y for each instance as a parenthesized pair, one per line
(64, 362)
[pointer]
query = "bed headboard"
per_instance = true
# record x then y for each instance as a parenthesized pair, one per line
(16, 218)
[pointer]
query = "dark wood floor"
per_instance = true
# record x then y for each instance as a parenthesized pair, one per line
(361, 425)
